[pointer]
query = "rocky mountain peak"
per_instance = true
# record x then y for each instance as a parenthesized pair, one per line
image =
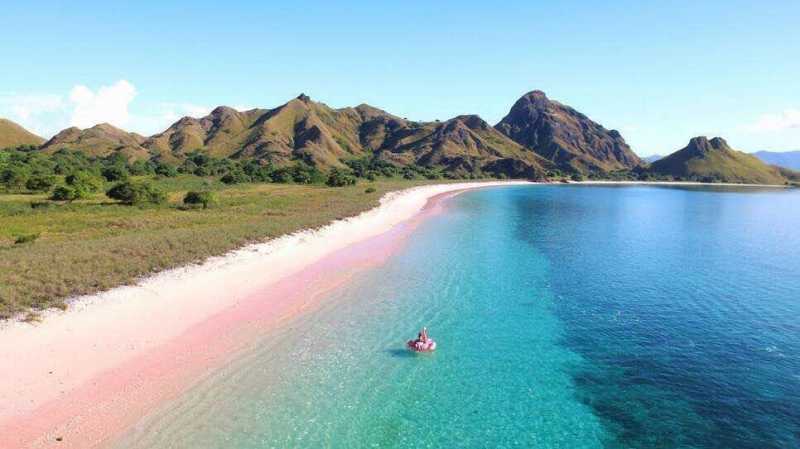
(564, 136)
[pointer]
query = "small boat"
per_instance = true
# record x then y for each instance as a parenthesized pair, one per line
(421, 346)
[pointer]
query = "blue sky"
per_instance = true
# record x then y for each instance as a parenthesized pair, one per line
(660, 72)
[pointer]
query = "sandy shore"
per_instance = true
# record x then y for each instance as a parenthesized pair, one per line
(82, 376)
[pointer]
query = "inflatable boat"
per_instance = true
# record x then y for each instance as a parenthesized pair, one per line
(421, 346)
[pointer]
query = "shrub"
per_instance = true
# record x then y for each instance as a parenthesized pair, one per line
(339, 178)
(40, 183)
(65, 193)
(83, 181)
(281, 175)
(205, 198)
(40, 205)
(303, 173)
(369, 190)
(235, 177)
(136, 193)
(576, 177)
(115, 173)
(141, 168)
(166, 170)
(13, 178)
(26, 238)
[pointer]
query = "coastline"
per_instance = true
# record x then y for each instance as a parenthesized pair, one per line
(679, 183)
(83, 375)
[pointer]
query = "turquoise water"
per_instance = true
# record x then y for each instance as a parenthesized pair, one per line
(566, 316)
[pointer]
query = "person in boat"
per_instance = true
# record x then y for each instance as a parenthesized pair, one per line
(423, 335)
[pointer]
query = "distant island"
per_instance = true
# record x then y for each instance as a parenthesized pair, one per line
(305, 141)
(786, 159)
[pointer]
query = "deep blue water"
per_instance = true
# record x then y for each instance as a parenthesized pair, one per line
(685, 304)
(566, 316)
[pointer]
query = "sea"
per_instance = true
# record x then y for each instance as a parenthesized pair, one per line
(566, 316)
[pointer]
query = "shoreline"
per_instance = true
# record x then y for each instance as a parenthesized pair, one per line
(83, 375)
(680, 183)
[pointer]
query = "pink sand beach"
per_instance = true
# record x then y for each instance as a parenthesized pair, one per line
(83, 376)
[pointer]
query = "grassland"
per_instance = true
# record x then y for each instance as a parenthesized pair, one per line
(54, 251)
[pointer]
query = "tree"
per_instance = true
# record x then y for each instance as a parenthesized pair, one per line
(40, 183)
(339, 178)
(141, 168)
(205, 198)
(137, 193)
(84, 183)
(115, 173)
(65, 193)
(281, 175)
(14, 177)
(166, 170)
(303, 173)
(235, 176)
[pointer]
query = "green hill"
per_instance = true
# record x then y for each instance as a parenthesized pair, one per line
(12, 135)
(715, 161)
(99, 140)
(313, 132)
(537, 136)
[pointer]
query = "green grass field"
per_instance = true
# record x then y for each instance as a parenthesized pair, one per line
(57, 250)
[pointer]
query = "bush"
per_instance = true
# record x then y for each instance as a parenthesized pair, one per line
(205, 198)
(26, 238)
(13, 178)
(369, 190)
(339, 178)
(576, 177)
(115, 173)
(40, 205)
(235, 177)
(40, 183)
(303, 173)
(137, 193)
(65, 193)
(281, 175)
(84, 181)
(166, 170)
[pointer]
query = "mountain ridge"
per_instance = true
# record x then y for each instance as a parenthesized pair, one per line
(539, 137)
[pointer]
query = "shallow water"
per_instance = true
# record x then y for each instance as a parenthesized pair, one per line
(566, 316)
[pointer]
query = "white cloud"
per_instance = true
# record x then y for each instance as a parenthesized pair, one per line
(82, 106)
(108, 104)
(788, 119)
(40, 113)
(26, 106)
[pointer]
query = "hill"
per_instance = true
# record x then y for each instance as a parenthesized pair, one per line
(99, 140)
(536, 137)
(715, 161)
(786, 159)
(12, 135)
(566, 137)
(313, 132)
